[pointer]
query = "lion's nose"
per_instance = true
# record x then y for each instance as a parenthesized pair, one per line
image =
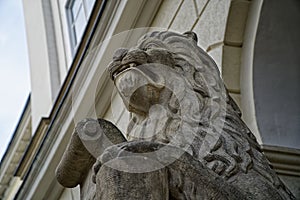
(119, 54)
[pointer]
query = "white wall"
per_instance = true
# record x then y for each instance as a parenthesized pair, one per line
(41, 95)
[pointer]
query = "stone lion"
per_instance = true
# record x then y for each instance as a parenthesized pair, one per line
(176, 97)
(185, 138)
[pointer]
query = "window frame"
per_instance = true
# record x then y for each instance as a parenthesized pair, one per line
(74, 38)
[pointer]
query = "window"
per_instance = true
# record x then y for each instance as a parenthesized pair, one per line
(78, 12)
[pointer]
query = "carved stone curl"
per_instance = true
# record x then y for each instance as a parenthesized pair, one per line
(185, 139)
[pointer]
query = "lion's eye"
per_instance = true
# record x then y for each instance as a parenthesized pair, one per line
(178, 68)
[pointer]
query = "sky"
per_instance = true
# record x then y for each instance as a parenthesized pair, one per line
(14, 69)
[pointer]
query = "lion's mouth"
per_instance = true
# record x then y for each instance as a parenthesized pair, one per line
(117, 69)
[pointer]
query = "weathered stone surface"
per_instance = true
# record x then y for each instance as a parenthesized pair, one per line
(151, 185)
(74, 164)
(200, 5)
(166, 180)
(185, 138)
(90, 139)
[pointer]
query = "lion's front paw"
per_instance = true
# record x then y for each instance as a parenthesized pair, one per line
(126, 149)
(129, 156)
(96, 168)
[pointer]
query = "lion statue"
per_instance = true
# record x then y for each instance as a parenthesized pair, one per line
(185, 138)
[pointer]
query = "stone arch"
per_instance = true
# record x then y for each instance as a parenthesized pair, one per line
(237, 57)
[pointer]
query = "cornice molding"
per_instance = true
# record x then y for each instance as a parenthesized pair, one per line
(285, 161)
(31, 150)
(14, 152)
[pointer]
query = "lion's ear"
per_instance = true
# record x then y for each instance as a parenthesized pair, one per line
(192, 35)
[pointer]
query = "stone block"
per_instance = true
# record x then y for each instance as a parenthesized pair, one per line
(236, 22)
(166, 13)
(200, 5)
(231, 67)
(212, 23)
(187, 15)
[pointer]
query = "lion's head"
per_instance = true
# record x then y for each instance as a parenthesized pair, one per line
(175, 94)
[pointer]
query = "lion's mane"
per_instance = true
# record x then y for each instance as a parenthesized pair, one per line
(221, 141)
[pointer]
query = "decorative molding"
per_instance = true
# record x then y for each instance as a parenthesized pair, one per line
(31, 150)
(51, 49)
(285, 161)
(14, 152)
(246, 71)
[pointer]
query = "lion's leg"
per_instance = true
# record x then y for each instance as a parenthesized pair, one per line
(147, 170)
(115, 184)
(190, 179)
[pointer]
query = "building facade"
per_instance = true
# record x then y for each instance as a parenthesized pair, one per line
(70, 45)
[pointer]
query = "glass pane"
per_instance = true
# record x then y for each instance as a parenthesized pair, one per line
(89, 6)
(80, 24)
(75, 8)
